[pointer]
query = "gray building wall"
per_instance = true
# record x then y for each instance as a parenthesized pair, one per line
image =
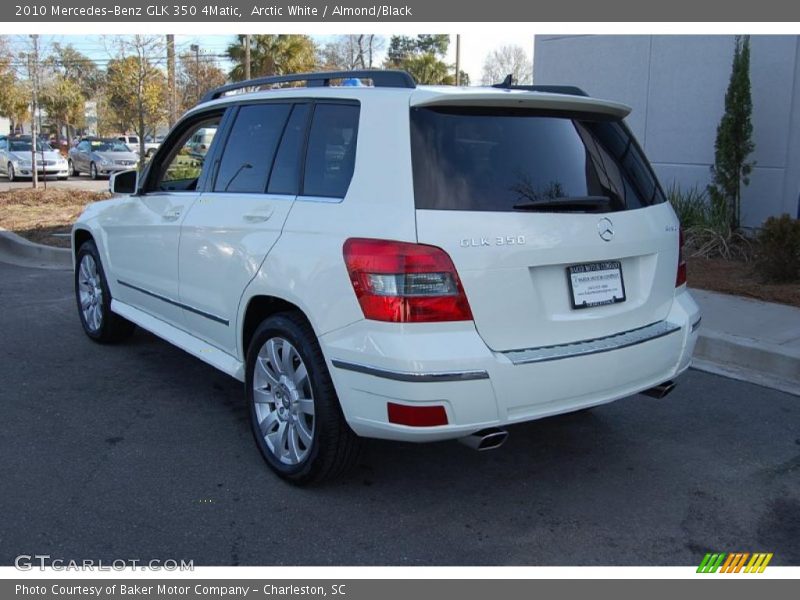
(676, 86)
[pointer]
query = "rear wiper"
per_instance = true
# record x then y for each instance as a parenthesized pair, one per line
(568, 204)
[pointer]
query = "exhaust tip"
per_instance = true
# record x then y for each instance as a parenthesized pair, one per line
(485, 439)
(661, 390)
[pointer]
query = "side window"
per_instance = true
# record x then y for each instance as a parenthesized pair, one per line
(83, 146)
(331, 153)
(250, 148)
(3, 145)
(286, 168)
(184, 164)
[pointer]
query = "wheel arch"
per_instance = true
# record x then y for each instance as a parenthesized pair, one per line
(80, 236)
(259, 308)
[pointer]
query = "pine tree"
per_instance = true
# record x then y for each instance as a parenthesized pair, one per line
(734, 142)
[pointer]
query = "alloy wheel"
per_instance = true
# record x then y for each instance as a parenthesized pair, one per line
(90, 292)
(284, 401)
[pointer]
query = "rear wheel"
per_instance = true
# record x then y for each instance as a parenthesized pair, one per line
(94, 299)
(72, 169)
(296, 419)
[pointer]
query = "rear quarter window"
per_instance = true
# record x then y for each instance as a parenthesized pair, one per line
(331, 152)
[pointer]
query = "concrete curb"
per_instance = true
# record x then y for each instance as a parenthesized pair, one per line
(755, 361)
(18, 251)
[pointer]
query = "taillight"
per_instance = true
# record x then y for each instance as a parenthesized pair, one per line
(405, 283)
(680, 278)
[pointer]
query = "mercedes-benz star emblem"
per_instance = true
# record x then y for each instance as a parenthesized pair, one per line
(605, 228)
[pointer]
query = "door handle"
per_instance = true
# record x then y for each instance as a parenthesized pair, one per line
(172, 215)
(259, 215)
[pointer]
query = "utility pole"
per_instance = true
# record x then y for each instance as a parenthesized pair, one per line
(196, 49)
(171, 79)
(34, 75)
(458, 59)
(247, 56)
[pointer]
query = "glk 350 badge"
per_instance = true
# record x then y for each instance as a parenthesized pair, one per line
(500, 240)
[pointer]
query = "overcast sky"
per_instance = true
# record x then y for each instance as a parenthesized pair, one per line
(474, 47)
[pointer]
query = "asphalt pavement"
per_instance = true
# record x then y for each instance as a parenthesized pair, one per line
(139, 451)
(82, 182)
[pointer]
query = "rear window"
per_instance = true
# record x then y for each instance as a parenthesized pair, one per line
(481, 159)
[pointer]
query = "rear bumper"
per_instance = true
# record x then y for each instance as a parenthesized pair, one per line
(448, 364)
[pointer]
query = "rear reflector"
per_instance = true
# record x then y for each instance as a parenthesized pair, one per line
(680, 277)
(401, 282)
(416, 416)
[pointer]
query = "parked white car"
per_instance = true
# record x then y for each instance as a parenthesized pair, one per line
(132, 142)
(16, 161)
(398, 262)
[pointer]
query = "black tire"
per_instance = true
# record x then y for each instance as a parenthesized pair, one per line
(334, 447)
(73, 170)
(10, 173)
(93, 174)
(112, 327)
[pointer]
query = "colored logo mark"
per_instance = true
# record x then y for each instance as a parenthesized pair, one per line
(735, 562)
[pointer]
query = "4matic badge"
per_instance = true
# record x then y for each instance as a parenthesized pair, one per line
(500, 240)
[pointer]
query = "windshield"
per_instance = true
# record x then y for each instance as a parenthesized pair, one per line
(19, 146)
(109, 146)
(496, 159)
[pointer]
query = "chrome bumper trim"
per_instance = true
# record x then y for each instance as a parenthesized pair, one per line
(595, 346)
(414, 377)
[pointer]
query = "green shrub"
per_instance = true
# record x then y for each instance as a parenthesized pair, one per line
(690, 205)
(778, 255)
(706, 222)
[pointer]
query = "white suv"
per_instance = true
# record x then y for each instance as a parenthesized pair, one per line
(392, 261)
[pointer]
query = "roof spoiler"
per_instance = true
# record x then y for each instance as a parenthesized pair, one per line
(569, 90)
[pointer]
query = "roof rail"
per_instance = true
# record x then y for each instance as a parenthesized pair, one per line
(379, 77)
(569, 90)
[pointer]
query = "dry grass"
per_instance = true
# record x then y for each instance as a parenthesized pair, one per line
(38, 214)
(739, 278)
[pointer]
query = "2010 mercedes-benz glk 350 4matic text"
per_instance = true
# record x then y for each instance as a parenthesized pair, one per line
(377, 259)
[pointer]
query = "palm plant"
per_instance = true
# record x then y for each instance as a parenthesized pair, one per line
(272, 55)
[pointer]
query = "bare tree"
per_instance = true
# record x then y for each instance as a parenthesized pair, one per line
(349, 52)
(504, 60)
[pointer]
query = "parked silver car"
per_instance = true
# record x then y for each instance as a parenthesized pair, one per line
(15, 160)
(100, 157)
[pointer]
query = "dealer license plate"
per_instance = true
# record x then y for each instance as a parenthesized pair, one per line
(596, 284)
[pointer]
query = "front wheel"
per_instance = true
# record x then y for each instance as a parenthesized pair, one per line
(94, 299)
(93, 171)
(72, 169)
(295, 415)
(12, 176)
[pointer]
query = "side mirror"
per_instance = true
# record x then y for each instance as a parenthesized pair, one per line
(124, 182)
